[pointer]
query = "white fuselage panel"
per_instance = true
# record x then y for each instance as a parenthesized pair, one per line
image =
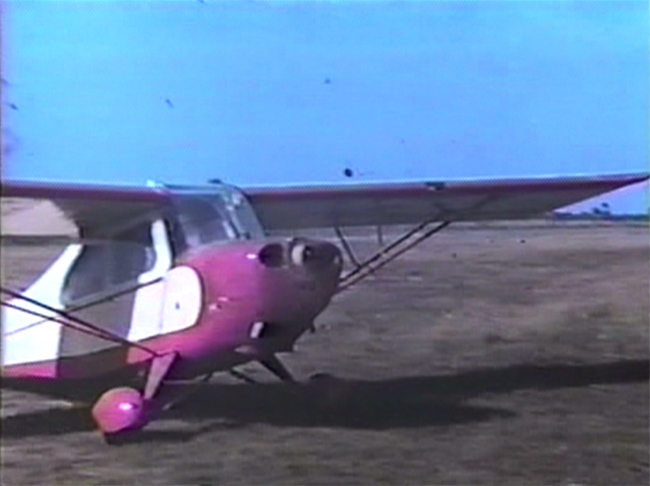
(26, 338)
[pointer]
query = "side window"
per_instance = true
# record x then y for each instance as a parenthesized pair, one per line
(131, 254)
(118, 260)
(87, 274)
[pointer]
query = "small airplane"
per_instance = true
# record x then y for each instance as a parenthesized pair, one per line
(168, 283)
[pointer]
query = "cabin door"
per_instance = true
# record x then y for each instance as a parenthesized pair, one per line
(147, 316)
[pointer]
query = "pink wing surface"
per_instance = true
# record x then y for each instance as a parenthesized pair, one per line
(284, 208)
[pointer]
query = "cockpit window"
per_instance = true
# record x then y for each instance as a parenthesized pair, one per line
(241, 212)
(202, 216)
(202, 223)
(104, 265)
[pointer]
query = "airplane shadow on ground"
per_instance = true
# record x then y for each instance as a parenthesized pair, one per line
(371, 405)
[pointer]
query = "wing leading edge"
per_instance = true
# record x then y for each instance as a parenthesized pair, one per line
(408, 203)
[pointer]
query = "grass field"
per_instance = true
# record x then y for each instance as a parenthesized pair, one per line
(504, 355)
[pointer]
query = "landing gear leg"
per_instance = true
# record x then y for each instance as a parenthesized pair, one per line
(160, 367)
(241, 376)
(275, 366)
(186, 395)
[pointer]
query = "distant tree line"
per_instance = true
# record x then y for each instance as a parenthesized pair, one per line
(601, 212)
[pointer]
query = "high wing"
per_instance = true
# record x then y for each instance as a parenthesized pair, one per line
(91, 206)
(314, 206)
(416, 202)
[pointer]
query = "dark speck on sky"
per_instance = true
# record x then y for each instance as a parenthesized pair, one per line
(347, 172)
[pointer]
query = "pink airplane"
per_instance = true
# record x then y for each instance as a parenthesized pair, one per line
(170, 283)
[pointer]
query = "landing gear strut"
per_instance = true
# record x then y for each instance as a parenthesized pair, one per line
(275, 366)
(121, 411)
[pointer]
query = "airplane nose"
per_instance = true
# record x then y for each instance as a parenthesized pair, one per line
(300, 252)
(313, 254)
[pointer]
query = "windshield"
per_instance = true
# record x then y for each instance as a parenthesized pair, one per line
(212, 214)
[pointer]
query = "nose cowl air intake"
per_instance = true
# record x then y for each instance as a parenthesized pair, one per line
(272, 255)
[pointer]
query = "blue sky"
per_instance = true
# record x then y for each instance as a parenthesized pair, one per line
(294, 92)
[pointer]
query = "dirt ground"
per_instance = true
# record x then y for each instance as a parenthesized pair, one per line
(486, 356)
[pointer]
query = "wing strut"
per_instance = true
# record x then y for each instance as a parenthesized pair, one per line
(346, 246)
(87, 305)
(45, 318)
(401, 245)
(389, 253)
(63, 318)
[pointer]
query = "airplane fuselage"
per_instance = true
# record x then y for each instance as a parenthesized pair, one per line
(233, 302)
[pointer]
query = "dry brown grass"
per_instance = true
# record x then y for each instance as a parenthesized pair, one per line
(510, 363)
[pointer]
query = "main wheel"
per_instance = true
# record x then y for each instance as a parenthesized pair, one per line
(118, 412)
